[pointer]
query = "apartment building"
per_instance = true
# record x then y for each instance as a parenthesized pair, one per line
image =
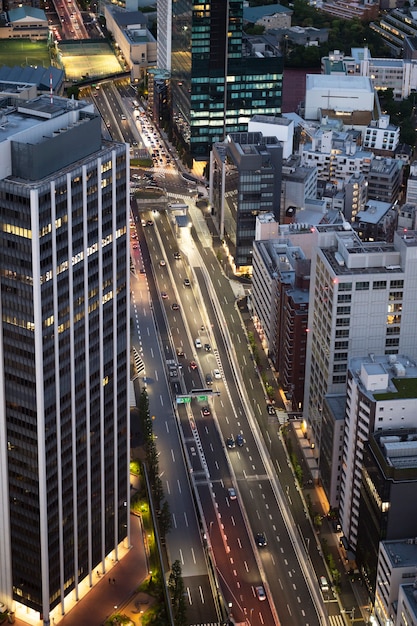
(362, 300)
(64, 367)
(376, 400)
(280, 281)
(381, 137)
(396, 568)
(384, 178)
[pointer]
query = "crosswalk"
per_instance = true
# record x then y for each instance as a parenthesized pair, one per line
(140, 366)
(336, 620)
(207, 624)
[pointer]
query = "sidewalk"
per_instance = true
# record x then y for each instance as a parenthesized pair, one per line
(106, 598)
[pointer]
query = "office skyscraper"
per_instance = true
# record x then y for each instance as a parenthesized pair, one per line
(64, 351)
(220, 77)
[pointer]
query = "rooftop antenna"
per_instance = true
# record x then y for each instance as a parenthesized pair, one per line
(50, 89)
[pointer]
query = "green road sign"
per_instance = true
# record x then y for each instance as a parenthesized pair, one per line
(183, 399)
(202, 398)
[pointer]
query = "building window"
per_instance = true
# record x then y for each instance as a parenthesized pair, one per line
(362, 286)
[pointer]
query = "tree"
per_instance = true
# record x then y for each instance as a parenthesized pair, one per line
(176, 590)
(165, 520)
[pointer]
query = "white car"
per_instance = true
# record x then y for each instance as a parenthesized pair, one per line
(216, 374)
(260, 592)
(162, 263)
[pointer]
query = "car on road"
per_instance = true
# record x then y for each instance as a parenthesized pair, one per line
(232, 493)
(187, 282)
(162, 263)
(149, 223)
(198, 343)
(175, 306)
(216, 374)
(271, 410)
(209, 380)
(193, 365)
(135, 246)
(207, 347)
(177, 256)
(164, 295)
(142, 270)
(205, 411)
(260, 540)
(230, 442)
(239, 440)
(180, 353)
(260, 592)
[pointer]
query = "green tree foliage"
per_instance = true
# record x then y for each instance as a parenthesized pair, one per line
(176, 590)
(165, 520)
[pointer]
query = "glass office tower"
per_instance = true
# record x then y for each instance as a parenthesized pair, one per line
(64, 352)
(220, 76)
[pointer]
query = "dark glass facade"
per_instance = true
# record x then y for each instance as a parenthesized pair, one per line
(64, 372)
(219, 76)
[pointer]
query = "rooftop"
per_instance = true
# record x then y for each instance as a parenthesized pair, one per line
(401, 552)
(410, 592)
(336, 82)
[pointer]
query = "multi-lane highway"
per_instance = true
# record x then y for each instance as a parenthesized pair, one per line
(220, 497)
(240, 567)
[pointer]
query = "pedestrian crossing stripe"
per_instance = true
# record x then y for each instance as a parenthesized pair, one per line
(207, 624)
(140, 366)
(336, 620)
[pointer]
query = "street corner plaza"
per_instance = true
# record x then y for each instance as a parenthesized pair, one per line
(87, 58)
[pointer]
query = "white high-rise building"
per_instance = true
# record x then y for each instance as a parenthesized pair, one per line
(375, 400)
(363, 299)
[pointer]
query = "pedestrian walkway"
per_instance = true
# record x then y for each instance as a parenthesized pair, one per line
(113, 592)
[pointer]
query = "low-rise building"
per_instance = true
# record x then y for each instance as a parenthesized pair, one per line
(381, 137)
(25, 22)
(131, 33)
(384, 177)
(337, 93)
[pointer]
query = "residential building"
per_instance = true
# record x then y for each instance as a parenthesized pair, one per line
(218, 83)
(377, 398)
(395, 26)
(407, 217)
(245, 181)
(377, 221)
(280, 281)
(362, 300)
(381, 137)
(364, 10)
(131, 33)
(411, 194)
(356, 196)
(395, 565)
(384, 177)
(407, 605)
(65, 364)
(337, 155)
(301, 36)
(298, 186)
